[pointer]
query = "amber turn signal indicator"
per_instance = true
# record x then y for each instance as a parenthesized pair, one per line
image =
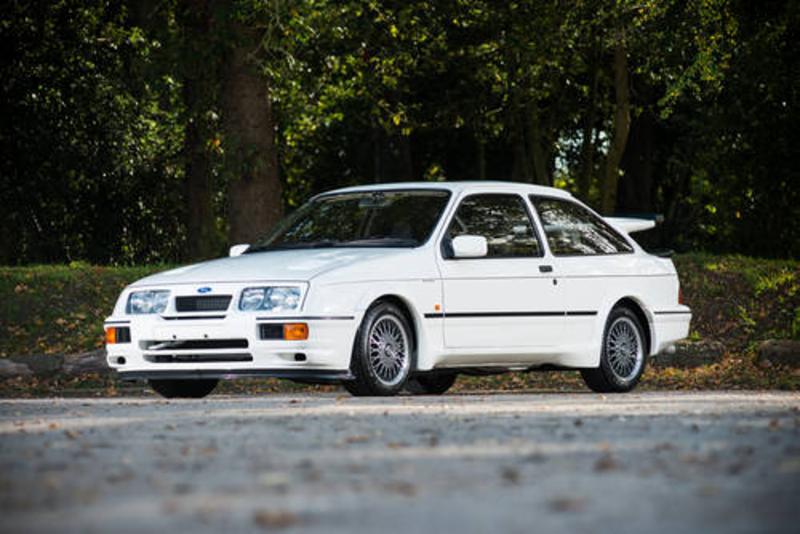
(295, 331)
(111, 336)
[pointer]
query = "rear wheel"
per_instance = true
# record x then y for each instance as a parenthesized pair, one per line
(624, 354)
(431, 384)
(184, 389)
(383, 352)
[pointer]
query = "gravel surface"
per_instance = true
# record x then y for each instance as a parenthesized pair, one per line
(652, 462)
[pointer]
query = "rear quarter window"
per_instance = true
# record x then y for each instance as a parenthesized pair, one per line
(572, 230)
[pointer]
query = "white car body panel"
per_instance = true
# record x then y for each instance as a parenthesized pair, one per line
(523, 317)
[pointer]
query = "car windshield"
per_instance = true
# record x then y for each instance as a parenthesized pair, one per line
(403, 218)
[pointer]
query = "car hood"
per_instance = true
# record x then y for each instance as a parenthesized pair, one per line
(278, 265)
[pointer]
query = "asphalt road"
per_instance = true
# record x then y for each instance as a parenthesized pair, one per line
(653, 462)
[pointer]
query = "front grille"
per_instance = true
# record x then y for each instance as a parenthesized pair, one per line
(202, 304)
(195, 358)
(196, 344)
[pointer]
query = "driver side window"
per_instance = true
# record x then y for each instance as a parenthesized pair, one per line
(502, 219)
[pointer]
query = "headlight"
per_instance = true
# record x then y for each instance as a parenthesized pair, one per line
(140, 302)
(270, 298)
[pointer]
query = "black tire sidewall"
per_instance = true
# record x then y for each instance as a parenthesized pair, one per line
(367, 382)
(183, 389)
(431, 384)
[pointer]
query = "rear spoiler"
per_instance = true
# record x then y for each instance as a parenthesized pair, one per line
(630, 225)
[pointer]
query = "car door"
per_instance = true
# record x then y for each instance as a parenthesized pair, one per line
(590, 261)
(505, 300)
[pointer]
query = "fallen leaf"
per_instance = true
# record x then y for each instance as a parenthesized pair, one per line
(566, 504)
(360, 438)
(510, 475)
(275, 519)
(606, 463)
(401, 488)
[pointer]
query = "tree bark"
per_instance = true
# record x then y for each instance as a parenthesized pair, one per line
(588, 145)
(521, 170)
(480, 154)
(637, 184)
(254, 190)
(622, 123)
(198, 96)
(539, 155)
(202, 237)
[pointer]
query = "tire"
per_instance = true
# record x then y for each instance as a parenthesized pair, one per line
(383, 353)
(184, 389)
(431, 384)
(623, 357)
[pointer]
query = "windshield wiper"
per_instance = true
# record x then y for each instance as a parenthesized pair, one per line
(323, 243)
(381, 242)
(329, 243)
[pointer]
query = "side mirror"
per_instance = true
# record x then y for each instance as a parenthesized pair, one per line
(238, 250)
(470, 246)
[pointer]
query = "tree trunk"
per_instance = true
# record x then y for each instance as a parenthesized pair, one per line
(521, 170)
(198, 96)
(586, 168)
(538, 153)
(637, 184)
(377, 149)
(622, 123)
(202, 237)
(254, 189)
(480, 154)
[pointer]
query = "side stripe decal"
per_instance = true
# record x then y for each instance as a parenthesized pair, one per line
(458, 315)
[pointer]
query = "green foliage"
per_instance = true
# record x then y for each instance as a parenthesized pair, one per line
(738, 300)
(88, 168)
(55, 309)
(106, 105)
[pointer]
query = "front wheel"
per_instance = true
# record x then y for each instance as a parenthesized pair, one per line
(623, 357)
(184, 389)
(383, 352)
(431, 384)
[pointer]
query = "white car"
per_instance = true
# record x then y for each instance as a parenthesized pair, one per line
(393, 286)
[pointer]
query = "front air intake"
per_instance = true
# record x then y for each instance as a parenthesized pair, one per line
(202, 304)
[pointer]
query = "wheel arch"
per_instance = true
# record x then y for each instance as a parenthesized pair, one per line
(409, 312)
(637, 307)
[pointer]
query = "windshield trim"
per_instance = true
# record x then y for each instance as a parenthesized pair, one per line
(447, 193)
(372, 189)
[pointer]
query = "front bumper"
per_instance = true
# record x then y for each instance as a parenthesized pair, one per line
(222, 347)
(311, 375)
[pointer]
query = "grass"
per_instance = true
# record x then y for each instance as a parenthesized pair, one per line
(59, 309)
(739, 300)
(736, 300)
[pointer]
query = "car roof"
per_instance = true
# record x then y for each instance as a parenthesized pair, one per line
(489, 186)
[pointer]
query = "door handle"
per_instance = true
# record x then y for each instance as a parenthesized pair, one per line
(545, 268)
